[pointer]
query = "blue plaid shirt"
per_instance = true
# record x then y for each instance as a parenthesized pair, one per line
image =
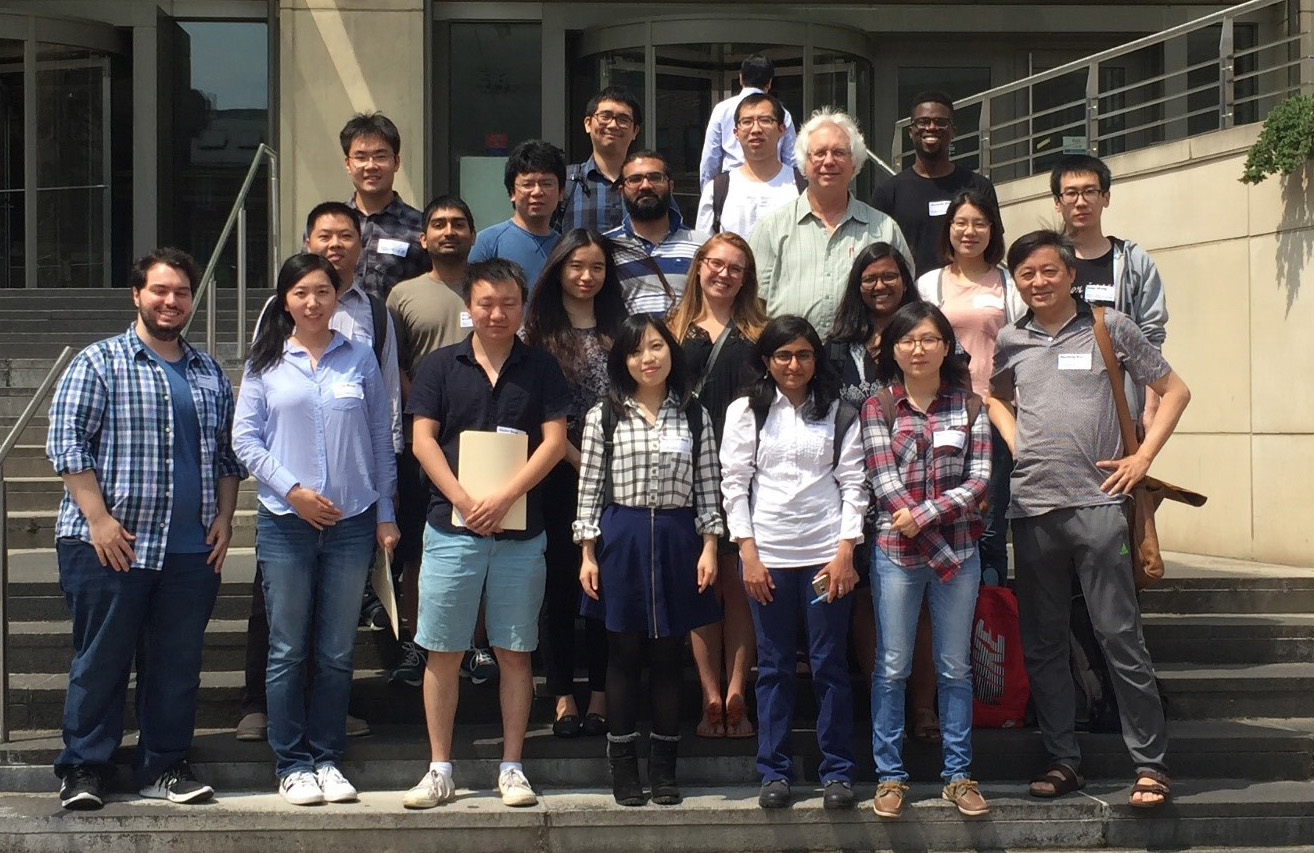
(111, 414)
(591, 201)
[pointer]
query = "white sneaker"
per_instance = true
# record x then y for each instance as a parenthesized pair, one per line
(515, 789)
(335, 786)
(435, 788)
(300, 788)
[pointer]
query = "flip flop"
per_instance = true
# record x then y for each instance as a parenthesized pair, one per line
(713, 722)
(1153, 783)
(1057, 780)
(736, 724)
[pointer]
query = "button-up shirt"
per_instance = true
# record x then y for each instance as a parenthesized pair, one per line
(802, 268)
(638, 263)
(390, 246)
(592, 201)
(782, 491)
(934, 465)
(112, 414)
(721, 149)
(324, 427)
(355, 318)
(652, 467)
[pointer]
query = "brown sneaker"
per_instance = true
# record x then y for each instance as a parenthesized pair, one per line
(888, 802)
(965, 794)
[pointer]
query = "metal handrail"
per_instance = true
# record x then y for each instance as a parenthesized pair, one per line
(237, 216)
(11, 440)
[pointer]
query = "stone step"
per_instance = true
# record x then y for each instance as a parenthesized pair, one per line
(45, 493)
(1222, 691)
(35, 528)
(1260, 593)
(1224, 813)
(1224, 638)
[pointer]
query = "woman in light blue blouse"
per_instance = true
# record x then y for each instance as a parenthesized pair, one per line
(313, 426)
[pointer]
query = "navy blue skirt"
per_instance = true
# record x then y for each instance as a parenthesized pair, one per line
(648, 573)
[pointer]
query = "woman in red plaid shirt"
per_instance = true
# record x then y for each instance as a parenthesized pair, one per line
(928, 461)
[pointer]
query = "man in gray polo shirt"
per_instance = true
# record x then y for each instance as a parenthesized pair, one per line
(1052, 401)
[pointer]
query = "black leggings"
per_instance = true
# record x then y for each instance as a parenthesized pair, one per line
(625, 654)
(562, 593)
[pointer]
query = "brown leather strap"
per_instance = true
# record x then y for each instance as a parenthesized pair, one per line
(1130, 443)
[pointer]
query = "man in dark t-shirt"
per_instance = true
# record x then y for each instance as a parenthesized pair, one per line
(918, 197)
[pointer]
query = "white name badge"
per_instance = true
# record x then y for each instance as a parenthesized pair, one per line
(510, 431)
(207, 383)
(948, 438)
(937, 208)
(398, 248)
(681, 444)
(466, 322)
(1074, 361)
(1100, 293)
(986, 302)
(348, 390)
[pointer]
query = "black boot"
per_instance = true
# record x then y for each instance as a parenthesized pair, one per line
(624, 760)
(661, 770)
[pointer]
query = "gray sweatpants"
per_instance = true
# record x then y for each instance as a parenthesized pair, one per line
(1092, 544)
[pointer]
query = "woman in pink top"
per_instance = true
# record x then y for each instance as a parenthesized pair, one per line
(978, 297)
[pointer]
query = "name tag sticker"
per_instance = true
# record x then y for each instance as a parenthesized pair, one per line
(1100, 293)
(681, 444)
(510, 431)
(399, 248)
(1074, 361)
(937, 208)
(207, 383)
(985, 302)
(348, 390)
(466, 322)
(948, 438)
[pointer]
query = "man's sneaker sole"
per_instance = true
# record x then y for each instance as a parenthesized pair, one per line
(83, 801)
(200, 795)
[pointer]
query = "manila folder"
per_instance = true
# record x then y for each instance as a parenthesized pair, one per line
(485, 463)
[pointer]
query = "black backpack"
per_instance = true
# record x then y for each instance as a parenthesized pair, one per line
(721, 188)
(845, 415)
(693, 415)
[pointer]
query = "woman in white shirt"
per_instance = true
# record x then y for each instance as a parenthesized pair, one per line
(795, 503)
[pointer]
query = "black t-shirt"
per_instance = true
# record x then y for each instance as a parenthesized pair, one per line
(450, 387)
(1094, 282)
(919, 206)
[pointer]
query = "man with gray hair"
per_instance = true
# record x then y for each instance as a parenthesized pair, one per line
(804, 250)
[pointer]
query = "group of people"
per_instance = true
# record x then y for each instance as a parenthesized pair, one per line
(765, 425)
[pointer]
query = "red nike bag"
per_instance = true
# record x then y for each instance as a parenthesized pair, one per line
(999, 675)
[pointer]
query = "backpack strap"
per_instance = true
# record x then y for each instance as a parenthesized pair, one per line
(886, 400)
(720, 189)
(800, 182)
(693, 414)
(845, 415)
(609, 421)
(974, 404)
(379, 316)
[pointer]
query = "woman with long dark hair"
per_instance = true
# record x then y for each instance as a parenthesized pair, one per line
(313, 425)
(575, 313)
(928, 461)
(717, 321)
(795, 497)
(879, 284)
(648, 526)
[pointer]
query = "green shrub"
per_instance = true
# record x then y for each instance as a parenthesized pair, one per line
(1286, 141)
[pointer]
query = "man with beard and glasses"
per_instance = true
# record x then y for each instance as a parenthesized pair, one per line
(653, 249)
(140, 431)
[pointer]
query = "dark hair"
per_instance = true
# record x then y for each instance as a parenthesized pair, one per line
(370, 124)
(853, 320)
(332, 208)
(546, 324)
(446, 202)
(644, 154)
(173, 258)
(494, 271)
(627, 342)
(620, 95)
(954, 368)
(1076, 164)
(823, 388)
(760, 98)
(994, 251)
(534, 155)
(276, 324)
(757, 71)
(1028, 244)
(933, 96)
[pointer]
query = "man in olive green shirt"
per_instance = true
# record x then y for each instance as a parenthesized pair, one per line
(804, 250)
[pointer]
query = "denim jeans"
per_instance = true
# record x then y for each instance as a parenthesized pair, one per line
(157, 617)
(313, 585)
(776, 625)
(897, 594)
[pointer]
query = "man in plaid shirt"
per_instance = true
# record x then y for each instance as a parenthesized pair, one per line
(140, 430)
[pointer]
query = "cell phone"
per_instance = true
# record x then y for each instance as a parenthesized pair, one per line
(821, 584)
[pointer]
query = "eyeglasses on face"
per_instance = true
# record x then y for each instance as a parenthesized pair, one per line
(889, 279)
(820, 154)
(1071, 194)
(783, 357)
(529, 185)
(716, 265)
(927, 343)
(621, 120)
(361, 158)
(761, 121)
(654, 178)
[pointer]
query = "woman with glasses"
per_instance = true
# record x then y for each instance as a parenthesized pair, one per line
(575, 313)
(716, 322)
(792, 477)
(978, 297)
(928, 462)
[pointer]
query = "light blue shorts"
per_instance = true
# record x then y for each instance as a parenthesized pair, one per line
(458, 569)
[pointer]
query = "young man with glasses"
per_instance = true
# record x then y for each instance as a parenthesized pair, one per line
(591, 199)
(919, 196)
(733, 201)
(535, 173)
(721, 148)
(389, 227)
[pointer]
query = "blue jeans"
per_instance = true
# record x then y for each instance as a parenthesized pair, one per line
(776, 625)
(157, 617)
(897, 594)
(314, 580)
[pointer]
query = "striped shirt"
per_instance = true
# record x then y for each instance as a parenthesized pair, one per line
(112, 414)
(638, 263)
(932, 464)
(652, 467)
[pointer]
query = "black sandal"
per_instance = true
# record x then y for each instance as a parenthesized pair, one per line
(1057, 780)
(567, 727)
